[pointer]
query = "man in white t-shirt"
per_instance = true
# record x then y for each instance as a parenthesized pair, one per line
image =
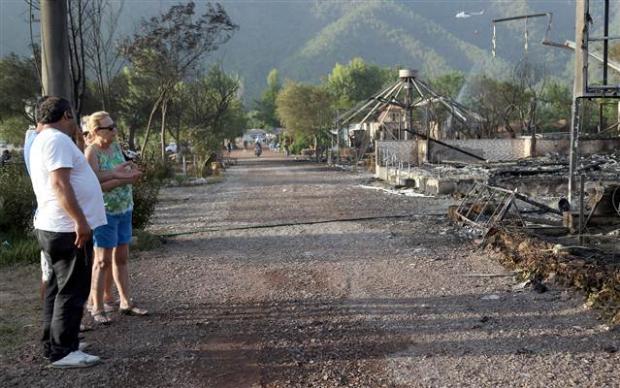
(70, 206)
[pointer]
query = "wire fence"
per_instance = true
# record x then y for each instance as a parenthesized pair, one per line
(396, 153)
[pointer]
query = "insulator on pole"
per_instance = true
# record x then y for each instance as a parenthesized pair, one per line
(526, 33)
(493, 42)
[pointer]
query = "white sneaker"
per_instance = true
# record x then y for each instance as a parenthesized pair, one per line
(77, 359)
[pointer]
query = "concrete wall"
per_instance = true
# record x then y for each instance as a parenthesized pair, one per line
(513, 149)
(490, 149)
(586, 147)
(401, 169)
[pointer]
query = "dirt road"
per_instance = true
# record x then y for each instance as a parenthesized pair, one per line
(392, 301)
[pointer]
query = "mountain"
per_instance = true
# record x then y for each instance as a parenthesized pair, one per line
(305, 39)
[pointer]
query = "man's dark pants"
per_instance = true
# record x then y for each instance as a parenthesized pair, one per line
(66, 292)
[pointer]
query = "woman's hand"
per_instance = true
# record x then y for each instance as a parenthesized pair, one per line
(123, 167)
(135, 175)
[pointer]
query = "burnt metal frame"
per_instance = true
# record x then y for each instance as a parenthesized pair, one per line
(586, 90)
(485, 196)
(604, 90)
(545, 40)
(426, 98)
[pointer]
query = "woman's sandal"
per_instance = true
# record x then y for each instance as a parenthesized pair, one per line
(107, 307)
(133, 310)
(101, 318)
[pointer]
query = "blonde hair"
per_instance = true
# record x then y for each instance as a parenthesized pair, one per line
(93, 120)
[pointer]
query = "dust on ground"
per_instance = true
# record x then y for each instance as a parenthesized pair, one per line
(394, 301)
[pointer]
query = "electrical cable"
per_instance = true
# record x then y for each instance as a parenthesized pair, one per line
(278, 225)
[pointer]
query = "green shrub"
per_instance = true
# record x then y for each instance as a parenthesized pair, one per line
(18, 249)
(156, 169)
(299, 144)
(146, 191)
(181, 179)
(17, 200)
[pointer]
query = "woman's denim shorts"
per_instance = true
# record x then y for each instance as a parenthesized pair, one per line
(116, 232)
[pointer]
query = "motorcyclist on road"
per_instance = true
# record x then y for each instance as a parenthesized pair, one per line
(258, 149)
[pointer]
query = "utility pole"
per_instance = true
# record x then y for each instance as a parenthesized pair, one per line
(578, 90)
(55, 49)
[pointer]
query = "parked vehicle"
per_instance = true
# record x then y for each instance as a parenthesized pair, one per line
(172, 148)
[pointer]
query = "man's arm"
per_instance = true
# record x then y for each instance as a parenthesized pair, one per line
(60, 180)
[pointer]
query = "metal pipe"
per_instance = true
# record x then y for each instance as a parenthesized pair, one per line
(534, 15)
(582, 179)
(409, 108)
(600, 118)
(605, 42)
(604, 87)
(585, 46)
(574, 147)
(579, 89)
(604, 38)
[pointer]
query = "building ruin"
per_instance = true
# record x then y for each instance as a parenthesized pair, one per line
(565, 182)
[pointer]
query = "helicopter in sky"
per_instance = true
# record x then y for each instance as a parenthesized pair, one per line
(465, 15)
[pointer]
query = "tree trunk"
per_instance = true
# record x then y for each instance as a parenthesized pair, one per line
(148, 125)
(131, 137)
(316, 148)
(164, 108)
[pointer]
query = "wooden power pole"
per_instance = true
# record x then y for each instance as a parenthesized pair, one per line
(581, 56)
(55, 49)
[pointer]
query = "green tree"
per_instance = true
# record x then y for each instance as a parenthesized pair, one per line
(306, 111)
(168, 47)
(266, 105)
(253, 120)
(355, 82)
(19, 86)
(556, 104)
(487, 97)
(12, 129)
(449, 84)
(512, 105)
(134, 95)
(213, 111)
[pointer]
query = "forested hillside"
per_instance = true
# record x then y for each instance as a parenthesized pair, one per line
(304, 39)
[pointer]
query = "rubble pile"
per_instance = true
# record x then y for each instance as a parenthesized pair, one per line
(581, 251)
(594, 272)
(541, 175)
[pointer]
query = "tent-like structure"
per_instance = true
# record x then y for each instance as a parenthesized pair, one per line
(410, 95)
(423, 110)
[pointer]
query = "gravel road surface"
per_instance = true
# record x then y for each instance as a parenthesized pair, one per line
(289, 274)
